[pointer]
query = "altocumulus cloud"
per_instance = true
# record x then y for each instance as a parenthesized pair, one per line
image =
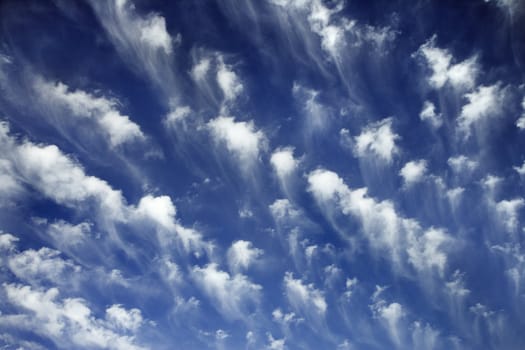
(274, 174)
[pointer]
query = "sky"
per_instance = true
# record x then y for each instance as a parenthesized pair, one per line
(262, 174)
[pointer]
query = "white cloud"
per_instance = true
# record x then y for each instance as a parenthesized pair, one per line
(177, 115)
(231, 295)
(378, 140)
(428, 114)
(350, 286)
(491, 183)
(456, 287)
(200, 69)
(282, 209)
(383, 227)
(240, 138)
(159, 209)
(275, 344)
(336, 33)
(58, 177)
(153, 32)
(284, 318)
(413, 172)
(68, 322)
(241, 255)
(462, 165)
(123, 318)
(9, 186)
(424, 336)
(316, 115)
(45, 263)
(228, 82)
(66, 234)
(305, 299)
(143, 41)
(81, 104)
(520, 123)
(426, 251)
(171, 271)
(520, 169)
(390, 315)
(7, 241)
(283, 162)
(484, 103)
(461, 75)
(454, 196)
(325, 184)
(507, 212)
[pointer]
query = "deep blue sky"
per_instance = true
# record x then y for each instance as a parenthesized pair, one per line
(277, 174)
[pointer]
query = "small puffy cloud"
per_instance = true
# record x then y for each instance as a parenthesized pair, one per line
(284, 318)
(305, 299)
(69, 322)
(45, 263)
(130, 31)
(232, 296)
(350, 286)
(171, 271)
(68, 234)
(158, 209)
(176, 116)
(200, 69)
(283, 162)
(454, 196)
(424, 336)
(282, 208)
(142, 40)
(456, 286)
(325, 184)
(275, 344)
(440, 61)
(520, 169)
(240, 138)
(426, 251)
(484, 103)
(429, 115)
(520, 123)
(316, 115)
(507, 212)
(228, 82)
(377, 140)
(413, 172)
(153, 32)
(391, 315)
(491, 183)
(123, 318)
(81, 104)
(462, 165)
(161, 211)
(7, 241)
(241, 255)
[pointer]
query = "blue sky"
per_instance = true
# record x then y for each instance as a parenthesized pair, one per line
(275, 174)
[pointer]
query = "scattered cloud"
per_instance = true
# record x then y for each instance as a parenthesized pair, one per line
(377, 140)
